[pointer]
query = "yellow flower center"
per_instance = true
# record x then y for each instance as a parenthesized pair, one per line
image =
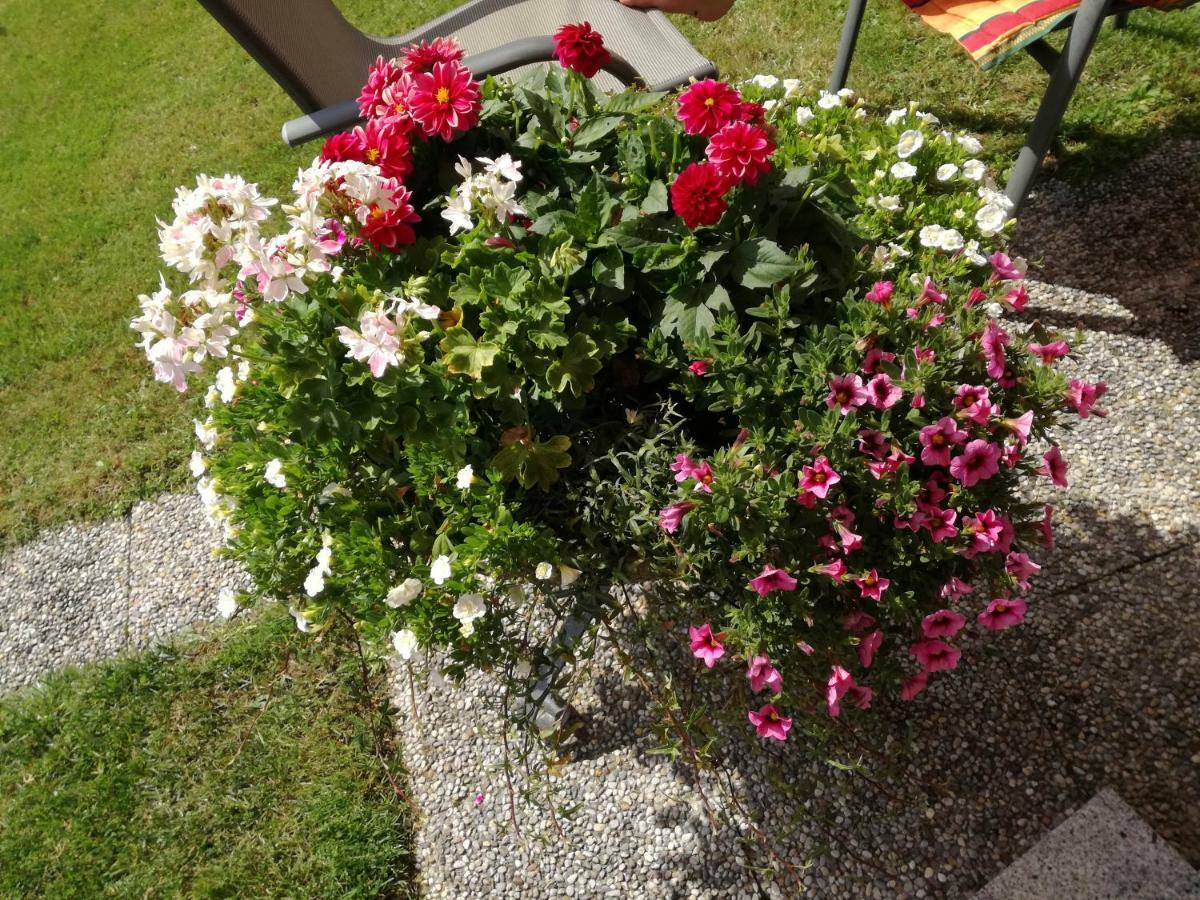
(443, 95)
(372, 154)
(710, 102)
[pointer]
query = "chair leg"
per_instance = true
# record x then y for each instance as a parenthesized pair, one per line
(1120, 20)
(841, 66)
(1074, 55)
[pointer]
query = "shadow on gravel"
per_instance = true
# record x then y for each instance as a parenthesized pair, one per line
(1097, 689)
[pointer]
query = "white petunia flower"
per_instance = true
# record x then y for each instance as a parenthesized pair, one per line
(910, 142)
(273, 474)
(769, 105)
(568, 575)
(931, 236)
(950, 240)
(314, 582)
(467, 609)
(990, 219)
(404, 593)
(301, 622)
(405, 643)
(928, 118)
(846, 94)
(896, 116)
(439, 571)
(766, 82)
(197, 464)
(791, 88)
(971, 252)
(974, 170)
(969, 143)
(804, 115)
(890, 202)
(206, 433)
(464, 477)
(829, 101)
(225, 385)
(544, 571)
(227, 603)
(946, 172)
(903, 170)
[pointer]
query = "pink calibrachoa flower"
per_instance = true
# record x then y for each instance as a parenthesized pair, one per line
(940, 523)
(858, 621)
(769, 723)
(478, 799)
(444, 101)
(974, 402)
(805, 648)
(924, 355)
(708, 106)
(934, 655)
(699, 367)
(979, 461)
(1001, 613)
(763, 675)
(1020, 426)
(868, 647)
(703, 474)
(871, 586)
(930, 293)
(842, 513)
(993, 341)
(945, 623)
(706, 645)
(671, 517)
(741, 151)
(954, 589)
(913, 685)
(873, 443)
(860, 696)
(937, 439)
(849, 540)
(984, 530)
(874, 357)
(682, 467)
(975, 297)
(1084, 397)
(918, 400)
(835, 570)
(1049, 352)
(1055, 467)
(846, 392)
(1017, 298)
(883, 393)
(1021, 567)
(818, 478)
(840, 681)
(881, 293)
(1046, 527)
(1005, 268)
(772, 579)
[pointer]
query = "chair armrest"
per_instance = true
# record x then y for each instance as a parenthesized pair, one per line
(513, 55)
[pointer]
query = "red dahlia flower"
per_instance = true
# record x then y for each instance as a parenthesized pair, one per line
(698, 195)
(378, 144)
(741, 152)
(424, 56)
(579, 48)
(391, 228)
(444, 101)
(708, 106)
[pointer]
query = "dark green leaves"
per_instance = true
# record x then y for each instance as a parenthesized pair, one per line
(761, 263)
(574, 370)
(465, 355)
(533, 462)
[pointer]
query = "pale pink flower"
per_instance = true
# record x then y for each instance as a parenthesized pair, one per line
(945, 623)
(1001, 613)
(993, 341)
(375, 343)
(850, 541)
(772, 579)
(846, 392)
(1054, 468)
(1084, 397)
(937, 439)
(1021, 567)
(671, 517)
(871, 586)
(979, 461)
(868, 647)
(883, 393)
(706, 645)
(840, 681)
(769, 723)
(818, 478)
(935, 656)
(763, 675)
(913, 685)
(1049, 352)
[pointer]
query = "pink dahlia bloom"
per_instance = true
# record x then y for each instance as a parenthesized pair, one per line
(881, 293)
(1054, 467)
(422, 57)
(671, 517)
(979, 461)
(391, 228)
(698, 195)
(706, 645)
(1055, 350)
(883, 393)
(1084, 397)
(840, 681)
(846, 392)
(913, 685)
(708, 106)
(935, 655)
(1001, 613)
(388, 148)
(763, 676)
(741, 152)
(772, 579)
(945, 623)
(769, 723)
(818, 478)
(580, 48)
(382, 75)
(868, 647)
(444, 101)
(993, 341)
(937, 439)
(871, 586)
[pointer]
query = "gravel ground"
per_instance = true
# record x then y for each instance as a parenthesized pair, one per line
(79, 594)
(1098, 688)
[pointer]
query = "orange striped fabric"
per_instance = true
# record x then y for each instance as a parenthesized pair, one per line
(992, 30)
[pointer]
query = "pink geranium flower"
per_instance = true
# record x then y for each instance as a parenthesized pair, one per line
(1084, 397)
(444, 101)
(708, 106)
(763, 675)
(741, 151)
(993, 341)
(883, 393)
(1005, 268)
(881, 293)
(1055, 467)
(935, 656)
(1001, 613)
(769, 723)
(913, 685)
(846, 392)
(871, 586)
(706, 645)
(818, 478)
(772, 579)
(945, 623)
(1021, 567)
(671, 517)
(835, 570)
(699, 367)
(1049, 352)
(937, 439)
(979, 461)
(868, 647)
(840, 681)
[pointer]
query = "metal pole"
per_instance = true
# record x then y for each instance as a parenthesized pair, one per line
(841, 66)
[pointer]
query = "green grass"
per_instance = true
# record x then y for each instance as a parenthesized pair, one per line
(95, 139)
(239, 765)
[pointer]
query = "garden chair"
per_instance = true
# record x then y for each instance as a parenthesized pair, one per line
(321, 60)
(990, 32)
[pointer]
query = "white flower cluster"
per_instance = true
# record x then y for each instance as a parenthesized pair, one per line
(379, 340)
(491, 192)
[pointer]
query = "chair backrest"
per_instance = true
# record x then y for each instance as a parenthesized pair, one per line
(307, 46)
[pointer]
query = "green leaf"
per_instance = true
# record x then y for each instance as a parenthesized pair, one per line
(609, 268)
(762, 263)
(465, 355)
(533, 462)
(656, 199)
(593, 130)
(593, 208)
(632, 101)
(576, 367)
(690, 321)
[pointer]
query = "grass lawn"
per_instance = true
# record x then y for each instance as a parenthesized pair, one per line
(96, 140)
(238, 765)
